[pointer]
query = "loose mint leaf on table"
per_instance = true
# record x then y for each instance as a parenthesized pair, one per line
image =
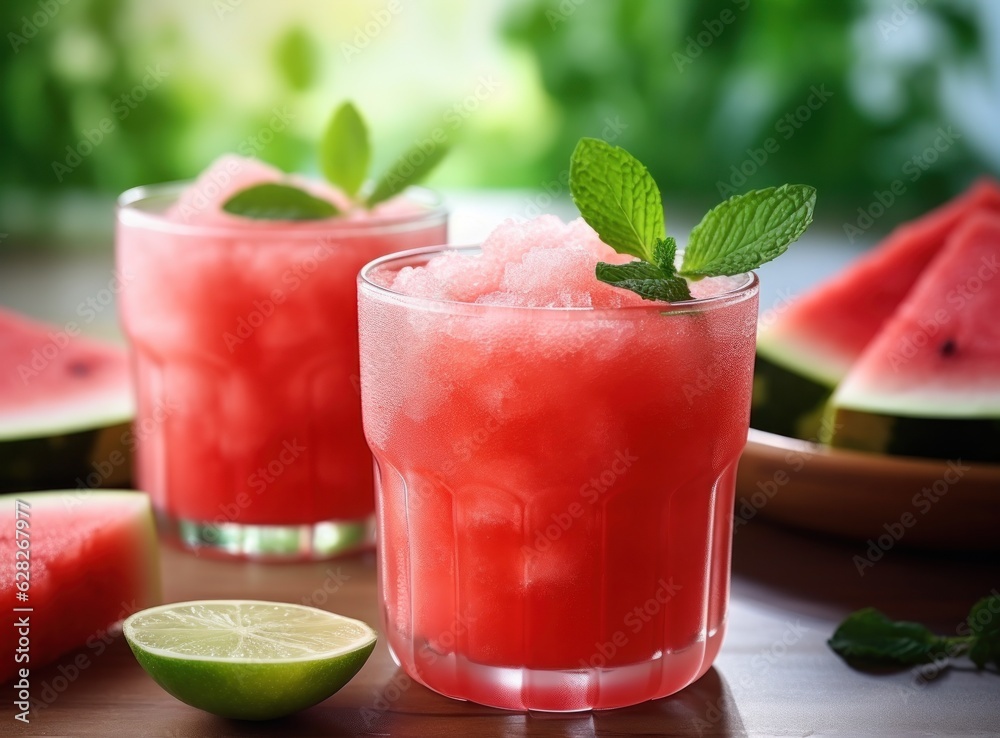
(617, 196)
(411, 168)
(278, 202)
(868, 635)
(345, 153)
(984, 622)
(748, 230)
(619, 199)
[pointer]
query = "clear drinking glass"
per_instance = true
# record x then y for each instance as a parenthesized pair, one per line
(554, 489)
(244, 346)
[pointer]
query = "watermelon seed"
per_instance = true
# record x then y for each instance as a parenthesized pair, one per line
(948, 348)
(78, 369)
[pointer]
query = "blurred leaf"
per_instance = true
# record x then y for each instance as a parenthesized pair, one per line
(296, 59)
(345, 152)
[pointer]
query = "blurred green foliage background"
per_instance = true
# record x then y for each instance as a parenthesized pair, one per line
(102, 95)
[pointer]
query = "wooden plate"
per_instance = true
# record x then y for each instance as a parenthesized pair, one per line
(882, 500)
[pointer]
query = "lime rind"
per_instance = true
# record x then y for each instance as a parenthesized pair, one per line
(248, 659)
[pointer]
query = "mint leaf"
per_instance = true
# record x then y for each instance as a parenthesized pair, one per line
(411, 168)
(664, 251)
(278, 202)
(748, 230)
(345, 153)
(868, 635)
(645, 279)
(617, 197)
(984, 621)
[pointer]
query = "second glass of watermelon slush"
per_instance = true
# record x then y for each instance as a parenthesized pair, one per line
(556, 464)
(244, 345)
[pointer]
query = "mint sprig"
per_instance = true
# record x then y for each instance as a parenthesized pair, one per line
(345, 152)
(278, 202)
(410, 168)
(345, 159)
(619, 199)
(869, 637)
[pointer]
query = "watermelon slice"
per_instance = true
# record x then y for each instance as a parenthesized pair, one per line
(929, 383)
(93, 560)
(65, 408)
(806, 351)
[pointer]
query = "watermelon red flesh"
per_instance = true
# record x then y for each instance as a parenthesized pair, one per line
(54, 383)
(939, 354)
(94, 561)
(822, 333)
(65, 408)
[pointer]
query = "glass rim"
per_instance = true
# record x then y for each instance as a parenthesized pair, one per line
(746, 289)
(433, 212)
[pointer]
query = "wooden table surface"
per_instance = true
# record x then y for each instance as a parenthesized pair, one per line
(775, 675)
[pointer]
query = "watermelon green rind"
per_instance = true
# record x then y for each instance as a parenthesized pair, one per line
(80, 584)
(935, 438)
(786, 402)
(80, 458)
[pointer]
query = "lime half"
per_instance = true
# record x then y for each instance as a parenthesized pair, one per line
(248, 659)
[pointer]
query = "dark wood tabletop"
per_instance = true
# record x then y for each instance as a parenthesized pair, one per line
(775, 675)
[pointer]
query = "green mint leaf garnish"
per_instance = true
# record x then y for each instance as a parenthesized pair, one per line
(645, 279)
(664, 251)
(345, 153)
(748, 230)
(984, 622)
(617, 197)
(409, 169)
(278, 202)
(869, 636)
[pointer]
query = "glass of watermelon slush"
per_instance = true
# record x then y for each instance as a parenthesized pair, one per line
(244, 345)
(556, 463)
